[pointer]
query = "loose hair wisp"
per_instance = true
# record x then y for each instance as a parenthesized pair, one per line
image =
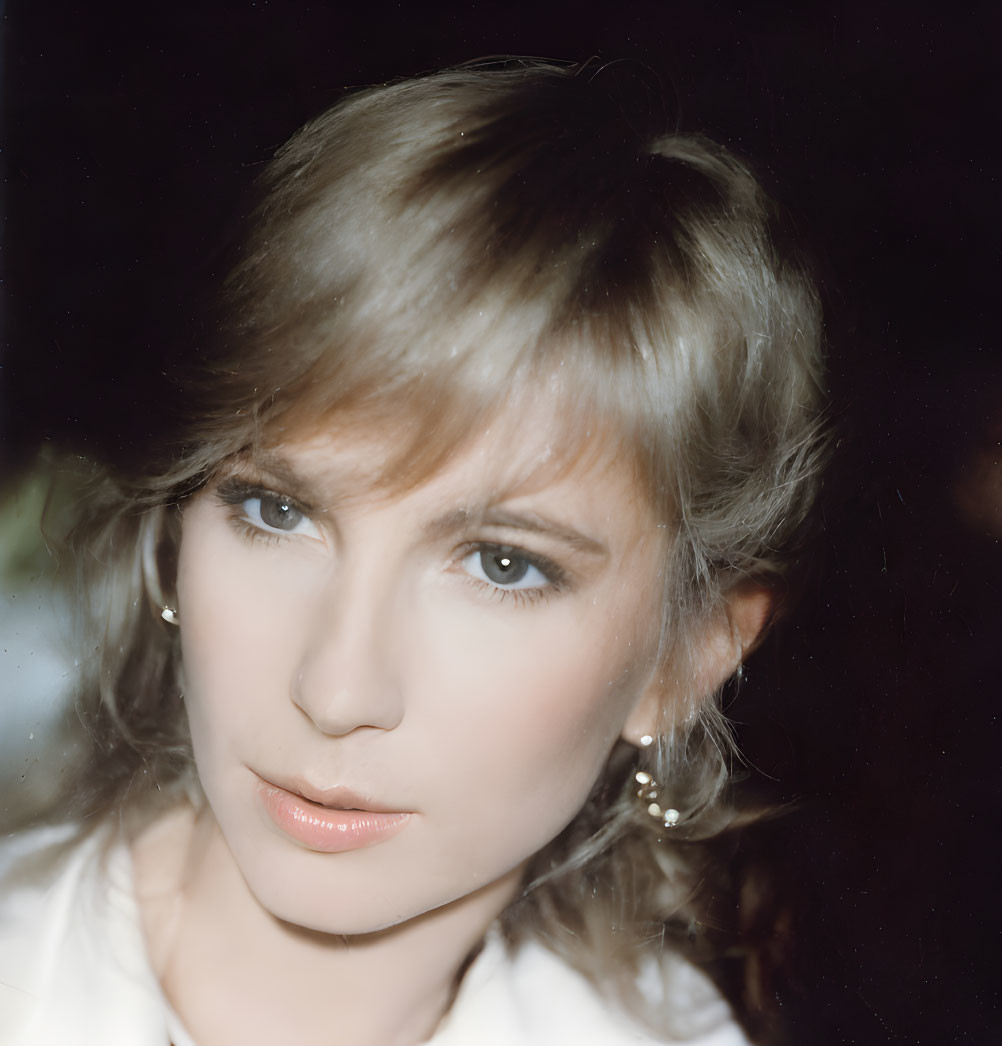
(426, 255)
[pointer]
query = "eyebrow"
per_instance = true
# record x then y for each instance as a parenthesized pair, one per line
(280, 472)
(275, 467)
(497, 515)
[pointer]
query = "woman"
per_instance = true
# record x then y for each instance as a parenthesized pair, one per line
(404, 723)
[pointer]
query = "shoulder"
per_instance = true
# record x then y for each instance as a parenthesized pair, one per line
(535, 998)
(73, 965)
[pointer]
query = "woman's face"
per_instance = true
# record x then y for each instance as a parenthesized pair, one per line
(395, 701)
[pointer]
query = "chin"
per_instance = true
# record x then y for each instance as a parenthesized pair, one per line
(343, 920)
(331, 894)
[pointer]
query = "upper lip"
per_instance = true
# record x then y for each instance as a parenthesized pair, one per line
(337, 797)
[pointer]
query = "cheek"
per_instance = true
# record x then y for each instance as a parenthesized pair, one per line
(236, 634)
(557, 673)
(534, 743)
(531, 720)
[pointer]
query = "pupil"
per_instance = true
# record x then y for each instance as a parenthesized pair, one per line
(503, 568)
(279, 514)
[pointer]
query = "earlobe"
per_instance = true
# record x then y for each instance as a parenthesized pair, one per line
(730, 636)
(642, 724)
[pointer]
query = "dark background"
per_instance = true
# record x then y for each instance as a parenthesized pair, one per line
(131, 133)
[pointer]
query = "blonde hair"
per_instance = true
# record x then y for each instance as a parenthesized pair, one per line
(426, 253)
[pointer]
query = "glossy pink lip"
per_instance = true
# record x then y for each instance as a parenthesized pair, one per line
(329, 821)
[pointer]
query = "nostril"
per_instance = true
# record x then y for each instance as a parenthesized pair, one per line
(340, 710)
(346, 674)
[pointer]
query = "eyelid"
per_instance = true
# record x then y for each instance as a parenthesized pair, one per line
(556, 576)
(234, 492)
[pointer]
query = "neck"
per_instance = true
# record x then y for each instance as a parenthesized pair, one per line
(235, 973)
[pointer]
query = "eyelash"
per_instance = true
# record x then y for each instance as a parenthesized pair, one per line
(234, 493)
(556, 576)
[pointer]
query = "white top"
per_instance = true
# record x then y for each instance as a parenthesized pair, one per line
(74, 970)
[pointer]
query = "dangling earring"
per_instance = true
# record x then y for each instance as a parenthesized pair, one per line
(648, 793)
(170, 615)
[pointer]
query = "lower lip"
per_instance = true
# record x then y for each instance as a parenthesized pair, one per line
(326, 830)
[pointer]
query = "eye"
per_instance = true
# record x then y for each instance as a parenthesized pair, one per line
(276, 514)
(266, 513)
(505, 567)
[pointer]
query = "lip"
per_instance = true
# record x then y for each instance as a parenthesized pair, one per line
(332, 820)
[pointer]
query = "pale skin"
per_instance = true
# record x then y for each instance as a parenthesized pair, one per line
(463, 655)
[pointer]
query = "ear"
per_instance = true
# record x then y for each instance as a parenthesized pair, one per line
(159, 538)
(729, 637)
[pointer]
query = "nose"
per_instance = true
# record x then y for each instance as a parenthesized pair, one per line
(347, 677)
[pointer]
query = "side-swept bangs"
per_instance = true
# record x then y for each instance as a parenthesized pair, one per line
(425, 252)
